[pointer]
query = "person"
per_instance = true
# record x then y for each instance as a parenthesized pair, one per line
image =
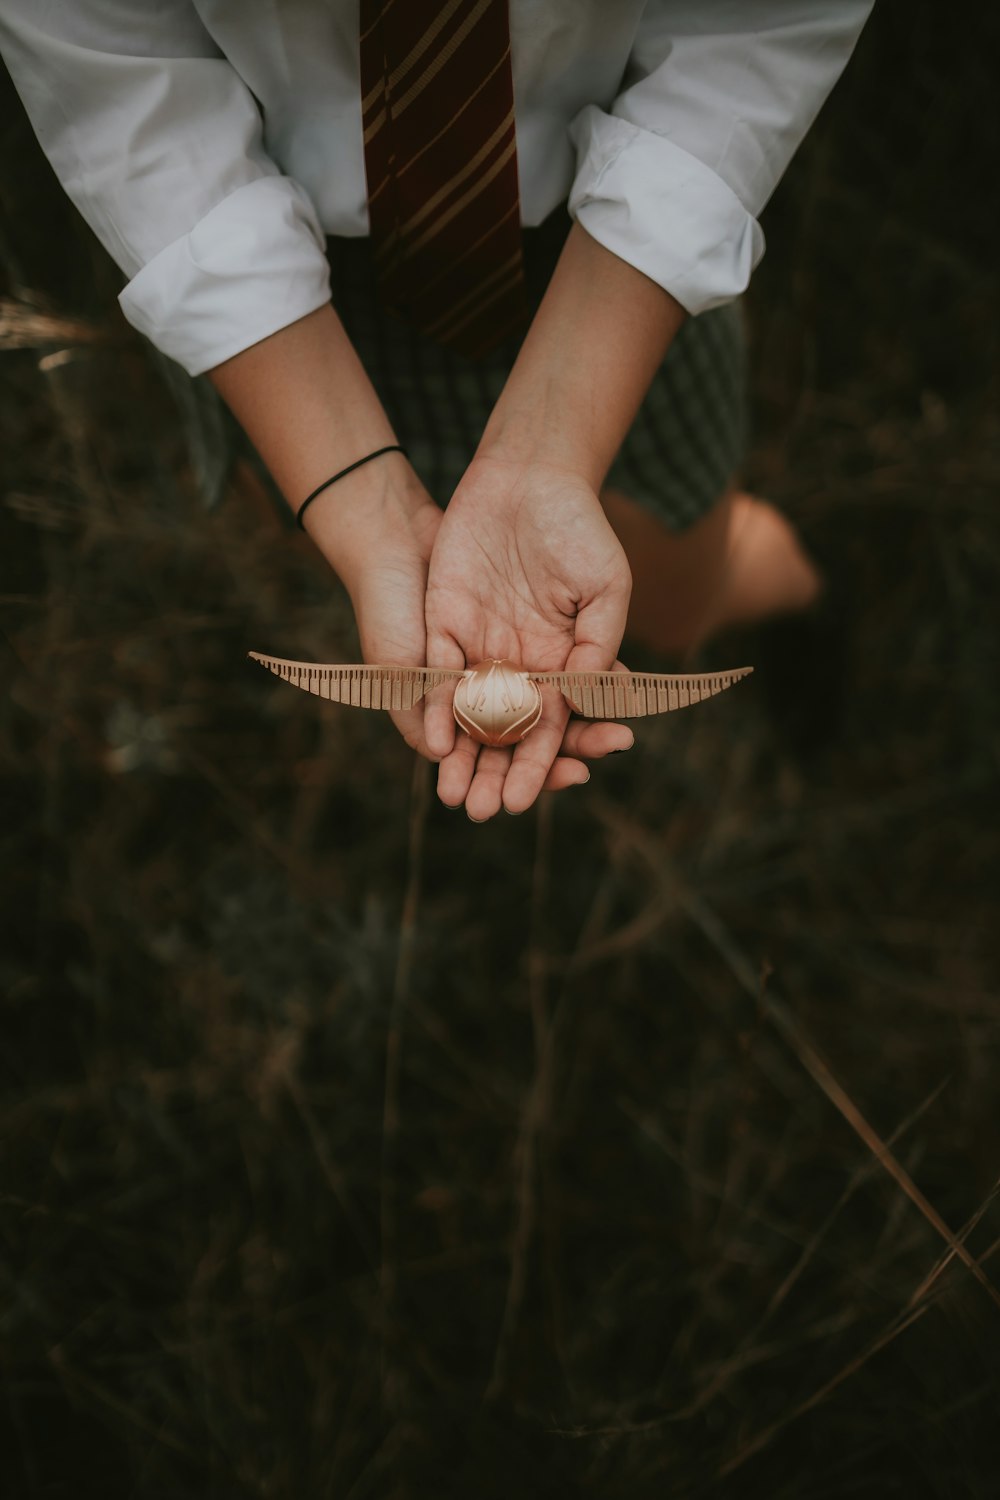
(213, 147)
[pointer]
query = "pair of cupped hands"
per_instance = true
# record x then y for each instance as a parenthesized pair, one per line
(523, 565)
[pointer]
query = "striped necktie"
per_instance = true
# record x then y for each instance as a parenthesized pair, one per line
(440, 159)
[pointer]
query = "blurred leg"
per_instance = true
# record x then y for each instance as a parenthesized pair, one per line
(740, 563)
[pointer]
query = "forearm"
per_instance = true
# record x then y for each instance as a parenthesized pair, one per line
(595, 343)
(307, 405)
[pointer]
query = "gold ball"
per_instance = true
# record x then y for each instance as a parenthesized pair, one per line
(497, 703)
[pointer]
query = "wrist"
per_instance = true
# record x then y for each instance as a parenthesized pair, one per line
(378, 505)
(328, 484)
(506, 479)
(536, 430)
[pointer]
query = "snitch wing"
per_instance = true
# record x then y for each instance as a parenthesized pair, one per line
(634, 695)
(364, 687)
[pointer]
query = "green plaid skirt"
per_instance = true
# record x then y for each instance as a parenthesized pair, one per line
(682, 450)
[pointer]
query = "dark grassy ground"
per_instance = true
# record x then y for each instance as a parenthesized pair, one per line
(690, 1114)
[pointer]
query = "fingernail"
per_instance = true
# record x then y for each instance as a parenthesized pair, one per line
(583, 782)
(514, 812)
(452, 806)
(475, 820)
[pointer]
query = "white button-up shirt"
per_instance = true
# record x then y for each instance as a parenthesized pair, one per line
(212, 144)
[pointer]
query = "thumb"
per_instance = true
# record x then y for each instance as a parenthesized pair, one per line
(439, 719)
(598, 632)
(389, 627)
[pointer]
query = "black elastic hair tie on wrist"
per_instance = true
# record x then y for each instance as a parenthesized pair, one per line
(390, 448)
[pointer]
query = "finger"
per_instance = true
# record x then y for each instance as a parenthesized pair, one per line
(586, 740)
(410, 723)
(439, 719)
(485, 795)
(534, 756)
(438, 722)
(565, 773)
(383, 643)
(593, 740)
(456, 771)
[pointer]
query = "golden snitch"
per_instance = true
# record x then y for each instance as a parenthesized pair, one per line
(498, 702)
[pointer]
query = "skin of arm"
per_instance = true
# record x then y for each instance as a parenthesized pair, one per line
(525, 564)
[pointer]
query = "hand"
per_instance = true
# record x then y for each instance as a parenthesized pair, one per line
(377, 533)
(307, 404)
(525, 567)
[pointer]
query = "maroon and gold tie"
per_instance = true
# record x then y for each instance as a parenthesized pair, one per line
(437, 101)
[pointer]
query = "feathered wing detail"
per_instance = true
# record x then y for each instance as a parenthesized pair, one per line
(633, 695)
(364, 687)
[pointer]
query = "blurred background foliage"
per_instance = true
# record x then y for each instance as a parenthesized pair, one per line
(643, 1146)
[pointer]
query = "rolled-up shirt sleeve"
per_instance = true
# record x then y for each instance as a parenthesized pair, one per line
(158, 142)
(715, 102)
